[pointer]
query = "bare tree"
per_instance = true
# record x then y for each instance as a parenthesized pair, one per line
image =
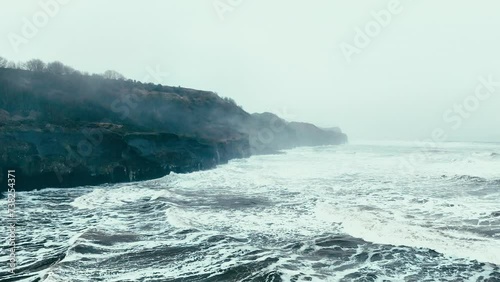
(18, 65)
(11, 65)
(70, 70)
(55, 68)
(35, 65)
(111, 74)
(3, 62)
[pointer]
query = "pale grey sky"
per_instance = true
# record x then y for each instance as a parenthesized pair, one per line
(287, 56)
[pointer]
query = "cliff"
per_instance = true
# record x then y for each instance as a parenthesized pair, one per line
(74, 130)
(269, 133)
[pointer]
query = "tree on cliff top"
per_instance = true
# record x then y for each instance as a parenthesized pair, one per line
(59, 68)
(111, 74)
(35, 65)
(3, 62)
(55, 67)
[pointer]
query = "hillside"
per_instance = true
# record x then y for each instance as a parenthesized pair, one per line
(73, 129)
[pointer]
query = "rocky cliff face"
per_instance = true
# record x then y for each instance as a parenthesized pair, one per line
(103, 153)
(269, 133)
(74, 130)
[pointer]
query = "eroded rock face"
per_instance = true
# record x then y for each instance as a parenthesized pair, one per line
(67, 157)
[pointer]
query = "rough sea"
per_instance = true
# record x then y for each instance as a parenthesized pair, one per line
(372, 211)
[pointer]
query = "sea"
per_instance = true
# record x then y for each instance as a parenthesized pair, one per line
(365, 211)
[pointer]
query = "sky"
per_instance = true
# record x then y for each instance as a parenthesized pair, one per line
(379, 69)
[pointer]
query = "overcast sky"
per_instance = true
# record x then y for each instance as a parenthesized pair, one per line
(303, 60)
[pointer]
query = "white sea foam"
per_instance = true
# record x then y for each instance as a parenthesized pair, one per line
(445, 203)
(308, 189)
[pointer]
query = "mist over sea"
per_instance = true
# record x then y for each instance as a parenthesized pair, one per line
(372, 211)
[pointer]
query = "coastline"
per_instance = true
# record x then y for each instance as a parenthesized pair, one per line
(76, 130)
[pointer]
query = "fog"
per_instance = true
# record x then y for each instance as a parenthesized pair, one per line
(410, 70)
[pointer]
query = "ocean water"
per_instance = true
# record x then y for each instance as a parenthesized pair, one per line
(373, 211)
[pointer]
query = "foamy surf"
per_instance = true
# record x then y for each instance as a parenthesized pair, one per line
(312, 214)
